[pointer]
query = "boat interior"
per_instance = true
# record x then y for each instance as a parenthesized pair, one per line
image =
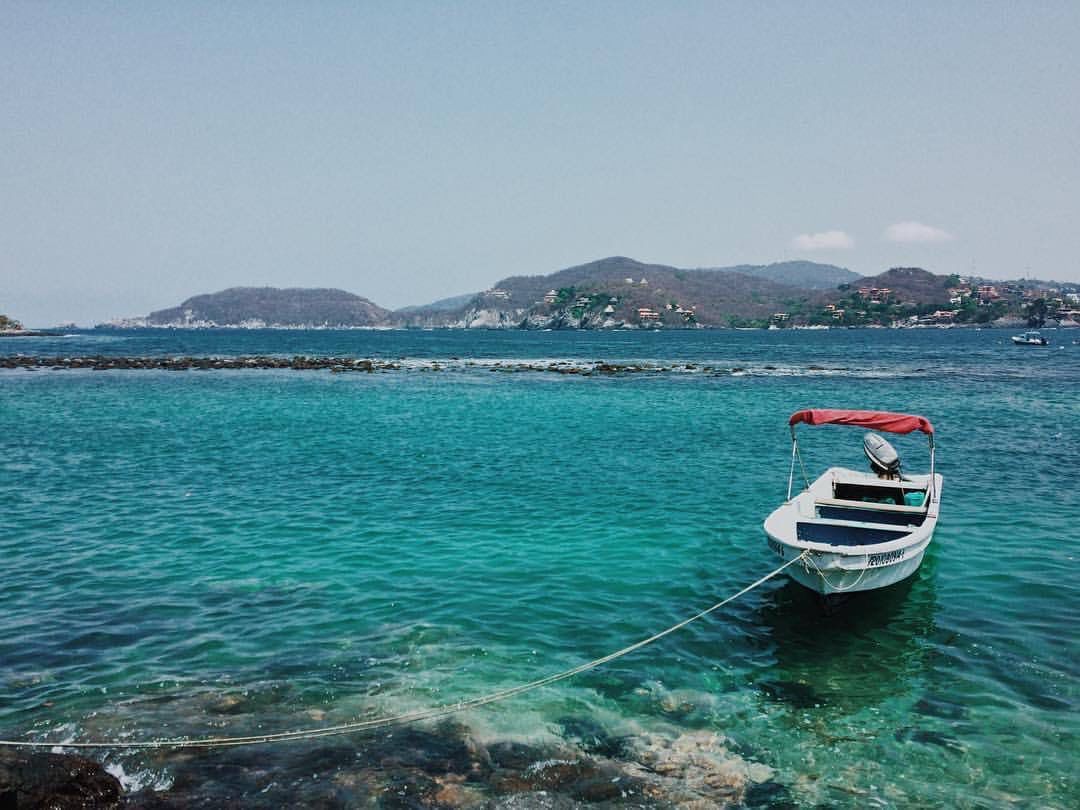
(862, 512)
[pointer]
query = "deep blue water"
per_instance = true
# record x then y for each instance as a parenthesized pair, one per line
(217, 552)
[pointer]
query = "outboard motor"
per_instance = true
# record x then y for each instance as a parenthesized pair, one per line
(884, 460)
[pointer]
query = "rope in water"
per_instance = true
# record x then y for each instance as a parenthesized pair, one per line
(401, 719)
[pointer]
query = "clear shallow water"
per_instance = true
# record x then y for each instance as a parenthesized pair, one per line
(229, 551)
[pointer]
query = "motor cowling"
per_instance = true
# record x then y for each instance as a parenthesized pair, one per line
(883, 458)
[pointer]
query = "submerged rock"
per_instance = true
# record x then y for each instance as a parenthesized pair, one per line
(929, 737)
(694, 769)
(446, 750)
(768, 794)
(533, 801)
(248, 701)
(934, 706)
(517, 755)
(798, 694)
(592, 737)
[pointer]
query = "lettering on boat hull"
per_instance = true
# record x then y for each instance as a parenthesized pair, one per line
(885, 558)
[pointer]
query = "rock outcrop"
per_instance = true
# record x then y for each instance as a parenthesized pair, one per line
(55, 781)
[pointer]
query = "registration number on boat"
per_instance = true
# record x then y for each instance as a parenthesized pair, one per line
(885, 557)
(779, 549)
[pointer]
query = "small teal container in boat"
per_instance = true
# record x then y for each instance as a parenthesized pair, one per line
(914, 498)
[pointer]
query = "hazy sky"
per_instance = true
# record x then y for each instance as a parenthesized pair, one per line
(408, 151)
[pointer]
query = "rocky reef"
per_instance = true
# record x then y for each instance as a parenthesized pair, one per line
(110, 363)
(348, 364)
(412, 767)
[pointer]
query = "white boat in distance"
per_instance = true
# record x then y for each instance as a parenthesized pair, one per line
(1030, 339)
(859, 530)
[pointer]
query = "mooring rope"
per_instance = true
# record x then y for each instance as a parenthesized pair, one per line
(811, 563)
(401, 719)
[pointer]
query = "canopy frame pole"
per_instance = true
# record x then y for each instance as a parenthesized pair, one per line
(933, 480)
(796, 454)
(794, 451)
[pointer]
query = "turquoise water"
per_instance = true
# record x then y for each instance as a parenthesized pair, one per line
(223, 552)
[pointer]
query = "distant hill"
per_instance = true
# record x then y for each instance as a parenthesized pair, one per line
(910, 284)
(798, 274)
(622, 292)
(271, 306)
(613, 291)
(803, 274)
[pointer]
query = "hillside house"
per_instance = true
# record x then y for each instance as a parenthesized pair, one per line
(957, 295)
(875, 295)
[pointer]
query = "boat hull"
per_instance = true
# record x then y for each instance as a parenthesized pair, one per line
(825, 576)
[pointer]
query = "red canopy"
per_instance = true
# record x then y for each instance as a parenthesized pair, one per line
(878, 420)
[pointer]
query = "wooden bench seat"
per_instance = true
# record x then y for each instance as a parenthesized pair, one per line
(877, 507)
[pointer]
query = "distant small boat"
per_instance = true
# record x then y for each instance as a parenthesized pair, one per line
(860, 530)
(1030, 339)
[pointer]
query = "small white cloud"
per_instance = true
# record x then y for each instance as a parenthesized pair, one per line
(826, 240)
(915, 232)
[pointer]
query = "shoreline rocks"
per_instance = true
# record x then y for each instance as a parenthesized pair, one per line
(440, 767)
(38, 779)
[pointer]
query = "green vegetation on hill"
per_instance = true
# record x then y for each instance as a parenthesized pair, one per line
(9, 324)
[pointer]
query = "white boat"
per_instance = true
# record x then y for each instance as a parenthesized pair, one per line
(1030, 339)
(858, 530)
